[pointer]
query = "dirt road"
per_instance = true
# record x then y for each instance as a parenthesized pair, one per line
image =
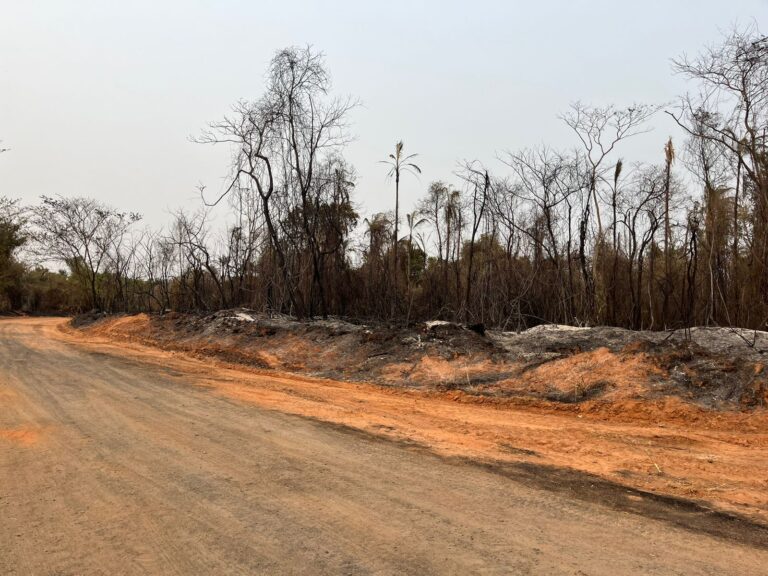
(114, 465)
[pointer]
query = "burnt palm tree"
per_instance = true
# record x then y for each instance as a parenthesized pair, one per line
(398, 163)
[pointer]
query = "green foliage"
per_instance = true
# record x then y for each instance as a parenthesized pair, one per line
(12, 238)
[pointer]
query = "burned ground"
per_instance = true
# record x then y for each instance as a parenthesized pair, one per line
(710, 368)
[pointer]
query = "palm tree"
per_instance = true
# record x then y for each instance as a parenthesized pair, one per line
(398, 163)
(413, 222)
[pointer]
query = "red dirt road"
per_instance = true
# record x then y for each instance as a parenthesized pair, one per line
(665, 446)
(117, 459)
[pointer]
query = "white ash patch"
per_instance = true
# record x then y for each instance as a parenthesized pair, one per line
(555, 328)
(243, 317)
(431, 324)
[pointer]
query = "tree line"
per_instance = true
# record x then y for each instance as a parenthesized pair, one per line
(577, 236)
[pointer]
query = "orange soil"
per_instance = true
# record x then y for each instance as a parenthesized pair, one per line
(665, 446)
(24, 435)
(627, 375)
(438, 370)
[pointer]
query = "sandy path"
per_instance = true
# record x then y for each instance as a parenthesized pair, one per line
(111, 462)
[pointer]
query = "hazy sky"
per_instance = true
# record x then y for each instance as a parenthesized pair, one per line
(100, 98)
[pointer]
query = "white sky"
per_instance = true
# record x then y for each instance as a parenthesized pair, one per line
(99, 98)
